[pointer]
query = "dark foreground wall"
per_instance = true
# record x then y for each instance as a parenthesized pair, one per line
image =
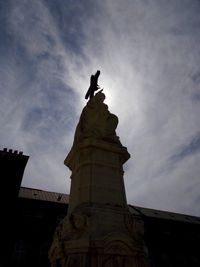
(35, 224)
(173, 243)
(172, 239)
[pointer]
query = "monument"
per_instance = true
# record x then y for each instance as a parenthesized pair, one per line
(99, 230)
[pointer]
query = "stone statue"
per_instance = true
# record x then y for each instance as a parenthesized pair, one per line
(97, 122)
(93, 85)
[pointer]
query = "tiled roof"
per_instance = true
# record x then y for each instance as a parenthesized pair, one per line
(159, 214)
(37, 194)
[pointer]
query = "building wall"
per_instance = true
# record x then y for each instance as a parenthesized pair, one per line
(172, 243)
(34, 228)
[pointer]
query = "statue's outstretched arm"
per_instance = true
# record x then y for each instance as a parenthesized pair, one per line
(93, 85)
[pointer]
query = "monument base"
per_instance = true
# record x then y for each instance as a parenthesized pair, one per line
(99, 236)
(99, 230)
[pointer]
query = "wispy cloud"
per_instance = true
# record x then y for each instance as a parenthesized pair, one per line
(181, 154)
(191, 148)
(196, 77)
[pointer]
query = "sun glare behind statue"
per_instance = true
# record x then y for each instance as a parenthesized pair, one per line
(109, 93)
(109, 100)
(126, 105)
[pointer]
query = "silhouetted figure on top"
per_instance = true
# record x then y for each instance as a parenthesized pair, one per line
(93, 85)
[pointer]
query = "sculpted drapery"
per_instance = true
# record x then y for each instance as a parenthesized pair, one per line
(97, 122)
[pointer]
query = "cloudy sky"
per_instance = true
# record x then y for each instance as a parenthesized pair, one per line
(148, 52)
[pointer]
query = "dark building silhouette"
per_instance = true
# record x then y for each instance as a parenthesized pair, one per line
(30, 217)
(12, 164)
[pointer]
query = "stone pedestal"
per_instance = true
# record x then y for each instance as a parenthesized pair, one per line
(99, 230)
(97, 174)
